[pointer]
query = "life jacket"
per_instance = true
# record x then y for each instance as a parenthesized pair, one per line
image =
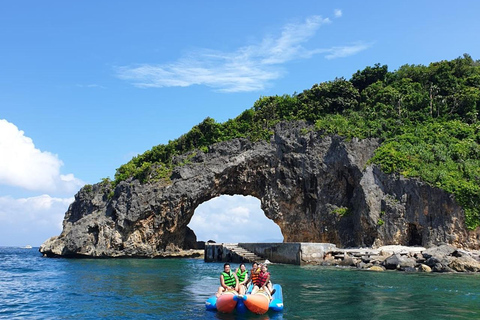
(254, 276)
(229, 279)
(262, 279)
(241, 275)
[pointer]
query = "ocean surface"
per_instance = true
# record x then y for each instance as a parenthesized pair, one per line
(33, 287)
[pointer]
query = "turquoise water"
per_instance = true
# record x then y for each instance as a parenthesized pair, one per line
(33, 287)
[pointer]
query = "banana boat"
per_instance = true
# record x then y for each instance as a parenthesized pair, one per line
(259, 302)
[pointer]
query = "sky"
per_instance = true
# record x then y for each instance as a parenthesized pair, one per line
(87, 85)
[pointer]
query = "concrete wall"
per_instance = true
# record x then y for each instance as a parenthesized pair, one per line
(276, 252)
(314, 252)
(298, 253)
(218, 252)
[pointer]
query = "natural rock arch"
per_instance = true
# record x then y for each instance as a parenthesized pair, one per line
(233, 219)
(315, 188)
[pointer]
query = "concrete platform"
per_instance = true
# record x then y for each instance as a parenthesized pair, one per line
(298, 253)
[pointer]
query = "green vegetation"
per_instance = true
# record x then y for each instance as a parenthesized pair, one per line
(341, 211)
(88, 188)
(425, 116)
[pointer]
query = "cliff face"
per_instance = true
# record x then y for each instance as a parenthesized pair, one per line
(316, 188)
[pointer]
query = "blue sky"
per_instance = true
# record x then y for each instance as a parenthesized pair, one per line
(86, 85)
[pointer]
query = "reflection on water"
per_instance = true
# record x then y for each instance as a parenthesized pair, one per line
(32, 287)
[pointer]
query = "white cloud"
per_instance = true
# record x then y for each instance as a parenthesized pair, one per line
(31, 220)
(345, 51)
(337, 13)
(23, 165)
(92, 85)
(233, 219)
(288, 46)
(249, 68)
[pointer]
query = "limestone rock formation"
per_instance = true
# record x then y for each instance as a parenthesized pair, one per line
(316, 188)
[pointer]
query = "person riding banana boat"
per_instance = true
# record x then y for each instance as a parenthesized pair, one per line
(243, 279)
(263, 297)
(228, 281)
(263, 282)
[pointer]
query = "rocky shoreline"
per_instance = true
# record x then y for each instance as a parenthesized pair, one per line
(190, 253)
(443, 258)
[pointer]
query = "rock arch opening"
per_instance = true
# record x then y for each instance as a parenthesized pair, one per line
(233, 219)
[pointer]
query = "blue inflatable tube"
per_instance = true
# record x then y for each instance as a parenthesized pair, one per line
(277, 299)
(211, 303)
(275, 305)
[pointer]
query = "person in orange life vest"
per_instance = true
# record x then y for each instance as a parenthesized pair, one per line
(263, 281)
(254, 272)
(242, 275)
(228, 280)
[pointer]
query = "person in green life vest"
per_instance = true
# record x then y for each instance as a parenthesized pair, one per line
(242, 275)
(228, 280)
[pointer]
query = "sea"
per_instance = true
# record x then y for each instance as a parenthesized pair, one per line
(34, 287)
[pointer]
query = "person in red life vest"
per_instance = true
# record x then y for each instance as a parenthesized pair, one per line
(263, 281)
(242, 275)
(228, 280)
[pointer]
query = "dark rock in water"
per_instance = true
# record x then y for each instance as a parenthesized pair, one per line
(316, 188)
(397, 261)
(392, 262)
(410, 269)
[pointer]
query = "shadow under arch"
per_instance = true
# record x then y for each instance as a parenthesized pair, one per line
(232, 219)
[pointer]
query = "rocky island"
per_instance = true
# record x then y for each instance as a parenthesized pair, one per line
(315, 188)
(385, 158)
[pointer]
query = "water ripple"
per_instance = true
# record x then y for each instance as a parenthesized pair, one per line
(33, 287)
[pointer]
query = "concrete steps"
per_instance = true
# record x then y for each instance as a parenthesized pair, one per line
(245, 255)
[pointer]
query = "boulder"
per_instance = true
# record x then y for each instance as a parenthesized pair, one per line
(376, 268)
(425, 268)
(347, 261)
(439, 252)
(399, 262)
(464, 264)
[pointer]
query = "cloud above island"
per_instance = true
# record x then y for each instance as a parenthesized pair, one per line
(26, 169)
(23, 165)
(248, 68)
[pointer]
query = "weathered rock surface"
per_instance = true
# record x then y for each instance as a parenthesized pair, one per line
(315, 188)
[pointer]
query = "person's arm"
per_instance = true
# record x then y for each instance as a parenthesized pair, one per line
(264, 287)
(236, 282)
(245, 281)
(222, 282)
